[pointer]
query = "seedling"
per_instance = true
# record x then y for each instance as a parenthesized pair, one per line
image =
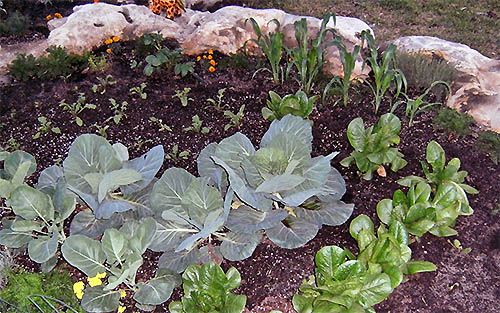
(45, 127)
(163, 127)
(118, 111)
(102, 130)
(234, 119)
(183, 96)
(217, 104)
(103, 83)
(12, 144)
(458, 245)
(196, 126)
(139, 142)
(139, 90)
(176, 155)
(77, 107)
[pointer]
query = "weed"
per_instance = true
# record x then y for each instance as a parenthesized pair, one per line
(234, 119)
(176, 155)
(45, 127)
(489, 142)
(217, 104)
(453, 122)
(183, 96)
(196, 126)
(139, 91)
(77, 107)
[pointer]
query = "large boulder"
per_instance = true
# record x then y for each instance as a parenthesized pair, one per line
(477, 88)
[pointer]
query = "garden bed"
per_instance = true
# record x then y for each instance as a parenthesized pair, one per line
(463, 282)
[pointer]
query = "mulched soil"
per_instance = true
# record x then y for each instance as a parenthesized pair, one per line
(271, 276)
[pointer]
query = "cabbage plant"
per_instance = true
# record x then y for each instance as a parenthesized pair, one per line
(104, 178)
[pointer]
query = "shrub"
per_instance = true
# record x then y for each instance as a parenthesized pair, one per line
(451, 121)
(489, 142)
(16, 24)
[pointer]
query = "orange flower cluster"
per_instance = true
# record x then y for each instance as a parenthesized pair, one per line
(110, 41)
(172, 8)
(209, 56)
(56, 15)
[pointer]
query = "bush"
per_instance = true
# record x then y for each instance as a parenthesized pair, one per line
(451, 121)
(16, 24)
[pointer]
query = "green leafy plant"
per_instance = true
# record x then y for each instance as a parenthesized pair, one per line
(139, 142)
(453, 122)
(271, 45)
(372, 145)
(163, 56)
(16, 24)
(458, 245)
(176, 155)
(383, 74)
(118, 256)
(23, 285)
(197, 126)
(139, 91)
(413, 106)
(184, 68)
(24, 67)
(102, 130)
(234, 119)
(163, 127)
(103, 83)
(77, 107)
(348, 60)
(148, 43)
(45, 127)
(217, 104)
(39, 213)
(298, 104)
(98, 64)
(308, 60)
(345, 283)
(183, 96)
(118, 111)
(12, 144)
(207, 289)
(489, 142)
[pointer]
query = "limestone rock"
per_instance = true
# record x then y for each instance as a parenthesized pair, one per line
(477, 89)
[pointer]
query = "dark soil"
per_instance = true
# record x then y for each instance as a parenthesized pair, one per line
(270, 277)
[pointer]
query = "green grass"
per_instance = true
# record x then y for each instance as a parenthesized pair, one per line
(21, 284)
(474, 23)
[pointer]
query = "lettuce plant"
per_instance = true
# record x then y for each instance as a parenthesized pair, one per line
(39, 214)
(298, 104)
(104, 178)
(118, 255)
(345, 283)
(207, 289)
(280, 188)
(372, 145)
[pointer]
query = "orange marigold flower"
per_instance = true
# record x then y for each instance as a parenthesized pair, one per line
(210, 51)
(210, 57)
(108, 41)
(95, 1)
(48, 17)
(116, 38)
(211, 69)
(57, 15)
(204, 56)
(212, 62)
(290, 60)
(198, 58)
(108, 50)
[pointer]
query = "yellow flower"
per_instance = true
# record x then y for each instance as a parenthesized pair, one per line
(116, 38)
(96, 281)
(204, 56)
(108, 50)
(78, 289)
(212, 62)
(57, 15)
(211, 69)
(210, 57)
(198, 58)
(210, 51)
(108, 41)
(121, 309)
(48, 17)
(123, 293)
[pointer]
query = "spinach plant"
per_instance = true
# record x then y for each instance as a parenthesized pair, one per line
(139, 90)
(348, 60)
(39, 213)
(77, 107)
(234, 119)
(384, 74)
(45, 127)
(281, 189)
(207, 289)
(118, 255)
(345, 283)
(298, 104)
(196, 126)
(372, 145)
(271, 45)
(308, 60)
(183, 96)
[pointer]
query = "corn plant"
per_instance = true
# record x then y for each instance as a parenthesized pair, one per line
(308, 60)
(272, 47)
(348, 60)
(384, 74)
